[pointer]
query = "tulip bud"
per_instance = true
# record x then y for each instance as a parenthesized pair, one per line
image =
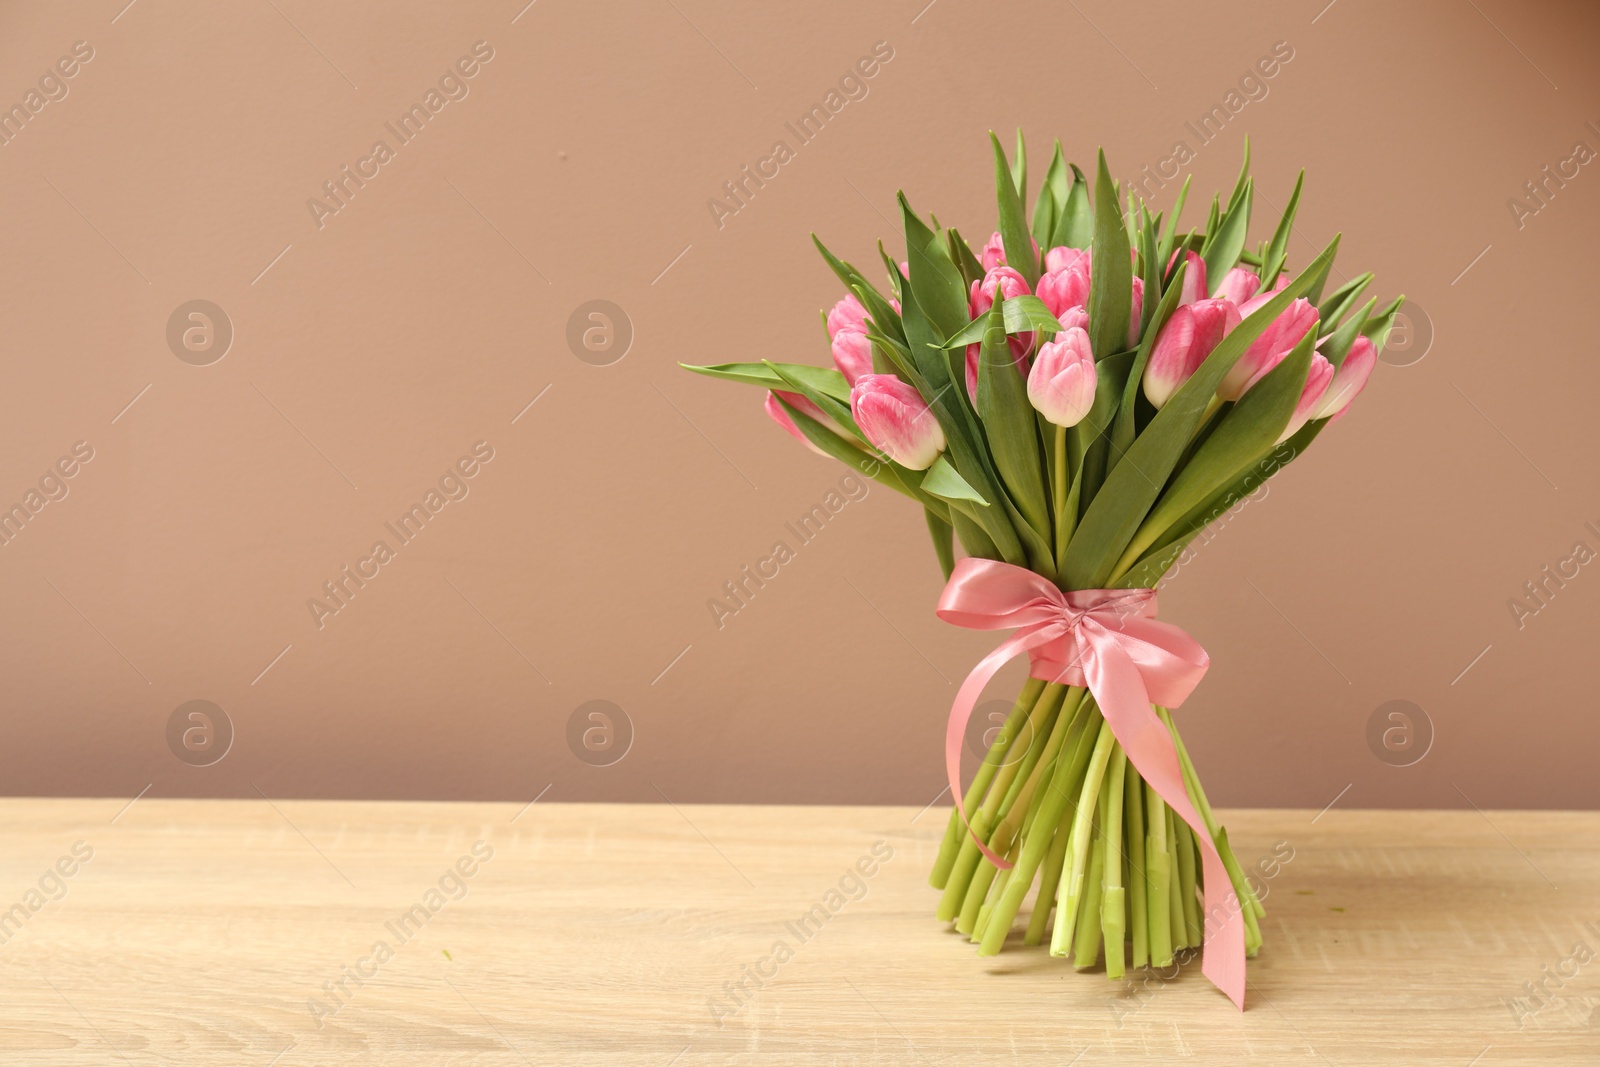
(994, 253)
(1189, 336)
(1239, 285)
(1061, 257)
(1135, 311)
(852, 354)
(1062, 382)
(1173, 360)
(801, 404)
(1066, 286)
(1248, 307)
(1194, 278)
(1003, 283)
(1349, 379)
(1268, 350)
(847, 314)
(1317, 381)
(1074, 316)
(998, 283)
(893, 416)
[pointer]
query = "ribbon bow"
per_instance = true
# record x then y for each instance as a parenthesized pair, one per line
(1108, 641)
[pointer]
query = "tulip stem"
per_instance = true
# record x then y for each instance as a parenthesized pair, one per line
(1065, 516)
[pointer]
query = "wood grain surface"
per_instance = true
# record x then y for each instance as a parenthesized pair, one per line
(225, 932)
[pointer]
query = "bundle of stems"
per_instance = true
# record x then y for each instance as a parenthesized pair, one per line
(1056, 797)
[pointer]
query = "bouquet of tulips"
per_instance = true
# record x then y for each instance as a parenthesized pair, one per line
(1073, 403)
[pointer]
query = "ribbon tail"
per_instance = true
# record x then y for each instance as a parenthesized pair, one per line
(961, 712)
(1119, 688)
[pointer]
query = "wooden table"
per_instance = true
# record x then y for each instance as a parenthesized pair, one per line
(226, 932)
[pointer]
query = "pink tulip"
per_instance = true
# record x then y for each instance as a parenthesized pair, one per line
(994, 253)
(1074, 316)
(1061, 384)
(1061, 257)
(1317, 382)
(847, 314)
(998, 282)
(1135, 311)
(1248, 307)
(1194, 278)
(1184, 343)
(1066, 286)
(1003, 283)
(1349, 379)
(1268, 350)
(1239, 285)
(852, 353)
(893, 417)
(801, 404)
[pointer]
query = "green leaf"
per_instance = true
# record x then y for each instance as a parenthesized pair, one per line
(1152, 267)
(1023, 314)
(1052, 200)
(1075, 227)
(1378, 328)
(940, 530)
(1320, 279)
(1278, 247)
(966, 262)
(1008, 424)
(1241, 185)
(1116, 511)
(877, 307)
(1111, 272)
(1247, 432)
(1170, 233)
(1013, 225)
(942, 481)
(1019, 168)
(1147, 572)
(1337, 346)
(1090, 444)
(935, 281)
(1229, 238)
(1341, 300)
(765, 374)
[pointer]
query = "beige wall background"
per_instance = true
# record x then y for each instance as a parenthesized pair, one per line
(374, 347)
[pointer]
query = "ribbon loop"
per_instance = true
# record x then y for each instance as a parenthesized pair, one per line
(1109, 642)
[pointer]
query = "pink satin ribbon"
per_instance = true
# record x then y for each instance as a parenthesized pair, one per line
(1108, 641)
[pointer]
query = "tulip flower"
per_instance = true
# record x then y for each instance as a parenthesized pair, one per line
(1061, 384)
(1184, 343)
(852, 353)
(1349, 379)
(1062, 257)
(1065, 286)
(998, 283)
(1074, 316)
(994, 253)
(893, 416)
(1003, 283)
(801, 404)
(1239, 285)
(847, 314)
(1267, 350)
(1194, 278)
(1248, 307)
(1317, 382)
(1135, 311)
